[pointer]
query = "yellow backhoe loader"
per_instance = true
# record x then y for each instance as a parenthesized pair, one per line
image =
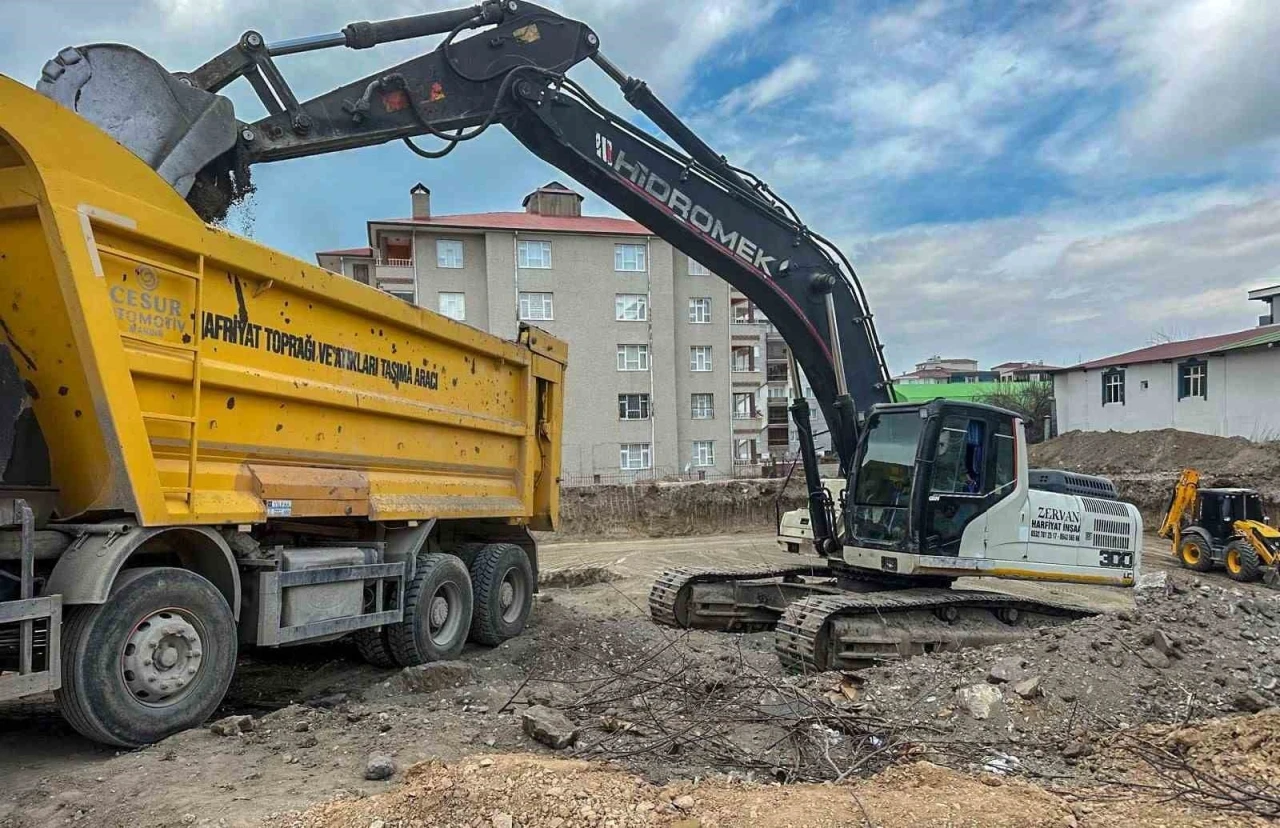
(1223, 527)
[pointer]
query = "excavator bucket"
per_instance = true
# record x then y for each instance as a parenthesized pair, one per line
(174, 127)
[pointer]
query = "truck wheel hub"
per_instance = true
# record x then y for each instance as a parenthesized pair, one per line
(439, 611)
(162, 657)
(507, 595)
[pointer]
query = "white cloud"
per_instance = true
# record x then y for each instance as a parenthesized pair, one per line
(795, 73)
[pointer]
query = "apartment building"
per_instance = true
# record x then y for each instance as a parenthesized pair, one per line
(667, 362)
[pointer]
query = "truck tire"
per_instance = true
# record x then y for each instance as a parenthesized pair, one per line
(1242, 561)
(372, 645)
(437, 612)
(502, 578)
(154, 660)
(1194, 554)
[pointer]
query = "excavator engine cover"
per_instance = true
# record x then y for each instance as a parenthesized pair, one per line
(173, 126)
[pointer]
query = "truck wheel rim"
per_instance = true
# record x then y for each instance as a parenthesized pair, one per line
(1233, 561)
(162, 657)
(511, 595)
(443, 614)
(1191, 553)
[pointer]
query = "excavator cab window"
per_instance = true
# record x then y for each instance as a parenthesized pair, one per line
(973, 469)
(882, 492)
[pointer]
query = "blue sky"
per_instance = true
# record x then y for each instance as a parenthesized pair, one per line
(1012, 179)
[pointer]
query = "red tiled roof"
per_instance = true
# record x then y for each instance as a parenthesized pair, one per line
(1177, 350)
(366, 252)
(529, 222)
(1025, 366)
(929, 373)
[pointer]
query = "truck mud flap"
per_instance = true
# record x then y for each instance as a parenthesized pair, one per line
(384, 585)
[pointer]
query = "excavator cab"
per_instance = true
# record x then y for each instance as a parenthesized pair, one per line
(925, 472)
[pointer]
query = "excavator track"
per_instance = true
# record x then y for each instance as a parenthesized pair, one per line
(672, 603)
(853, 630)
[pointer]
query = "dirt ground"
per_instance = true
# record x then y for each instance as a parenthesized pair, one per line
(461, 757)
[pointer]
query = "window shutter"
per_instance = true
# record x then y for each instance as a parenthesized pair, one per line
(1122, 385)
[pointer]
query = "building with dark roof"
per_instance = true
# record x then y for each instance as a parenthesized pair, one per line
(1227, 384)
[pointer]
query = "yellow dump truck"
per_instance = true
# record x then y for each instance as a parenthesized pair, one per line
(207, 443)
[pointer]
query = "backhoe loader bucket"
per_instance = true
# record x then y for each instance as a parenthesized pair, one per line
(174, 127)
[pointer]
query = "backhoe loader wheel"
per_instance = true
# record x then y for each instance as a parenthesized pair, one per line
(1242, 561)
(437, 612)
(1195, 554)
(154, 660)
(372, 645)
(503, 580)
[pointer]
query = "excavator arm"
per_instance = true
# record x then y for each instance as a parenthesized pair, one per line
(513, 74)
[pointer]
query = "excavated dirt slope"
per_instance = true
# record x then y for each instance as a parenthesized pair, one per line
(657, 510)
(1146, 464)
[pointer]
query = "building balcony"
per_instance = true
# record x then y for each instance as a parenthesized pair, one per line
(394, 270)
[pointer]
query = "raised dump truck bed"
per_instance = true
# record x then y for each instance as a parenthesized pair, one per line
(204, 434)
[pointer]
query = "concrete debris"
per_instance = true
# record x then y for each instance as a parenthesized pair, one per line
(1027, 688)
(981, 700)
(1153, 658)
(232, 726)
(379, 768)
(436, 675)
(1152, 582)
(550, 727)
(1077, 749)
(1165, 643)
(1007, 670)
(684, 803)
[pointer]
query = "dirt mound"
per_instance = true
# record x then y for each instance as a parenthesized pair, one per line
(1145, 464)
(525, 792)
(1166, 450)
(1188, 651)
(576, 576)
(657, 510)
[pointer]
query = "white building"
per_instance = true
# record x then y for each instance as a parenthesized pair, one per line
(1227, 385)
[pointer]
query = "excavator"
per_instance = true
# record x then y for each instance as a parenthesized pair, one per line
(932, 491)
(1221, 527)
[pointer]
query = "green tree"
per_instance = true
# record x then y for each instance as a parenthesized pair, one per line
(1033, 401)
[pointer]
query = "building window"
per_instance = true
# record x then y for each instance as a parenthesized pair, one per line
(704, 452)
(454, 306)
(1113, 386)
(744, 451)
(776, 372)
(360, 272)
(777, 415)
(700, 358)
(633, 406)
(635, 456)
(1193, 379)
(448, 253)
(536, 307)
(535, 255)
(633, 357)
(631, 307)
(744, 358)
(629, 258)
(779, 392)
(697, 268)
(700, 310)
(703, 406)
(744, 406)
(403, 296)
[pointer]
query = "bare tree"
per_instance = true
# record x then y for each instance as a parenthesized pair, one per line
(1033, 401)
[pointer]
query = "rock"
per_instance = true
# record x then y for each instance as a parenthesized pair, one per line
(232, 726)
(379, 767)
(1250, 741)
(684, 803)
(486, 762)
(1152, 582)
(1165, 643)
(1250, 701)
(329, 702)
(1077, 749)
(503, 821)
(377, 823)
(549, 726)
(1028, 688)
(1007, 669)
(302, 727)
(981, 700)
(1153, 658)
(435, 675)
